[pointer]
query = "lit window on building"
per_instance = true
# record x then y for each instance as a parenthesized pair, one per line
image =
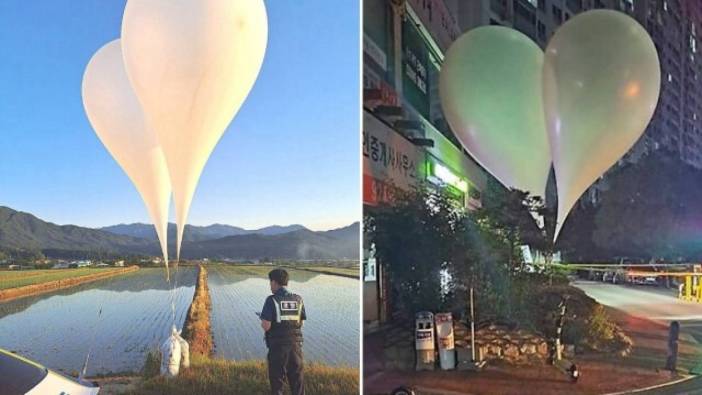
(670, 78)
(665, 6)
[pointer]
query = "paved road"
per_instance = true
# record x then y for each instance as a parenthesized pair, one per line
(654, 303)
(657, 304)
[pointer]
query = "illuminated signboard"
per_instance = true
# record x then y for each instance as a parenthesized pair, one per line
(390, 161)
(447, 176)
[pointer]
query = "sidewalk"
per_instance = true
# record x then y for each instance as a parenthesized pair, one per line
(600, 373)
(650, 342)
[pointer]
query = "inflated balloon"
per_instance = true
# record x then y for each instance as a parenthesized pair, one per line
(601, 85)
(116, 115)
(490, 89)
(192, 63)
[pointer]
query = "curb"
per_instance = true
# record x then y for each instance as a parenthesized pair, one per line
(653, 387)
(431, 391)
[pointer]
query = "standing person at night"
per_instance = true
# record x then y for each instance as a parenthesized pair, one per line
(281, 320)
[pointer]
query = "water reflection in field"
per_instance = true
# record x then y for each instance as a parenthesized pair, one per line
(58, 328)
(331, 332)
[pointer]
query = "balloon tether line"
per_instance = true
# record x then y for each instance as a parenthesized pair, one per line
(173, 293)
(92, 340)
(90, 347)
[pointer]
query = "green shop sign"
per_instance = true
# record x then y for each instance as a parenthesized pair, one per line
(415, 64)
(441, 174)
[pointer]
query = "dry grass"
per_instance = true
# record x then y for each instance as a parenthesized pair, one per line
(219, 376)
(197, 330)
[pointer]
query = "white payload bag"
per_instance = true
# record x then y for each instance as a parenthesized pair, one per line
(170, 356)
(184, 348)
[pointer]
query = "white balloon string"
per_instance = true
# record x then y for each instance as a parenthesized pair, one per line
(90, 347)
(92, 341)
(173, 294)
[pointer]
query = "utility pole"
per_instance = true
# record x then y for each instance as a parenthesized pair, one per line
(559, 327)
(472, 327)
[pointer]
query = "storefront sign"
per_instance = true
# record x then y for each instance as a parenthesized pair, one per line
(374, 52)
(376, 191)
(443, 174)
(438, 20)
(415, 64)
(389, 161)
(376, 90)
(416, 70)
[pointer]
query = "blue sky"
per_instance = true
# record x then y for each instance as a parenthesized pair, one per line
(291, 155)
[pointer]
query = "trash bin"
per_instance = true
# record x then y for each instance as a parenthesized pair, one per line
(424, 340)
(444, 335)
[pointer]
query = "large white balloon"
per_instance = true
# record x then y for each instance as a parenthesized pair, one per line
(118, 120)
(490, 89)
(192, 63)
(601, 85)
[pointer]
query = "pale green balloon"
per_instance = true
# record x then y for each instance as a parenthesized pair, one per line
(490, 89)
(601, 85)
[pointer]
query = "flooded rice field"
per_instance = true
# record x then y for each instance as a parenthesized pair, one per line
(57, 329)
(331, 331)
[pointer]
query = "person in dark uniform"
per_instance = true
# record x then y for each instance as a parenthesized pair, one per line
(281, 320)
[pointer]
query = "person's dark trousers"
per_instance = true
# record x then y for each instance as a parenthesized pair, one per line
(285, 361)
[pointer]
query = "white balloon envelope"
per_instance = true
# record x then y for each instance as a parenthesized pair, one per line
(117, 118)
(601, 84)
(192, 64)
(490, 89)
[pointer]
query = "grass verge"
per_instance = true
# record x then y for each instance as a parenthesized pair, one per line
(20, 278)
(197, 329)
(219, 376)
(53, 280)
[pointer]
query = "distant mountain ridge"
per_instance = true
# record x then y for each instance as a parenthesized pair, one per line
(24, 231)
(196, 233)
(302, 244)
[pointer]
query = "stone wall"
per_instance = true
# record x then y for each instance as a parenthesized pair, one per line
(497, 342)
(492, 342)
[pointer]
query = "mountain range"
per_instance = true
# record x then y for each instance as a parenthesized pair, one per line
(23, 231)
(196, 233)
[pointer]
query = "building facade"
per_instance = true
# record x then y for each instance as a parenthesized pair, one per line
(406, 140)
(676, 126)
